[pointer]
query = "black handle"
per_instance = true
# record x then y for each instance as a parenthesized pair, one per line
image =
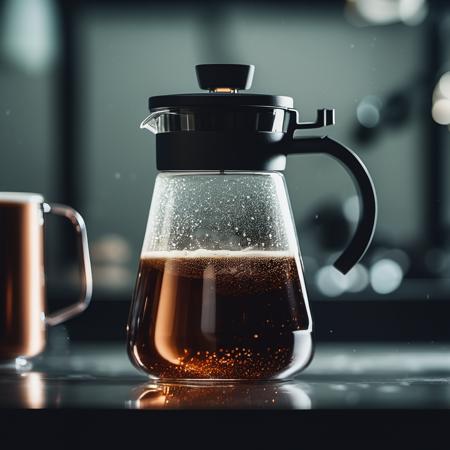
(367, 196)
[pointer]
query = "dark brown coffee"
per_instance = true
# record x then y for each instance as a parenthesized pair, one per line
(219, 315)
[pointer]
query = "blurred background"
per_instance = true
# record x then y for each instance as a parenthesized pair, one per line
(74, 82)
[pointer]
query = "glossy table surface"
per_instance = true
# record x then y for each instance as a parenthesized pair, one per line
(341, 376)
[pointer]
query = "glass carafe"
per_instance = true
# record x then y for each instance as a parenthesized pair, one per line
(220, 293)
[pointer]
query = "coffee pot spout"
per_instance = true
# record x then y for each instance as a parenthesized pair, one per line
(152, 122)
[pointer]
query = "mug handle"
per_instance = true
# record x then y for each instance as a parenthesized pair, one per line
(362, 238)
(77, 221)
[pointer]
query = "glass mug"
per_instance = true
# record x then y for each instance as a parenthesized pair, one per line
(23, 317)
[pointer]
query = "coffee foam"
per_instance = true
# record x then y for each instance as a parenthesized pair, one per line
(204, 253)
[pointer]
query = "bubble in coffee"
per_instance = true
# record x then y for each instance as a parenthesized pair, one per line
(219, 315)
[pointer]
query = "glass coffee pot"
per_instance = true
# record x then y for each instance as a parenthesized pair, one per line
(220, 293)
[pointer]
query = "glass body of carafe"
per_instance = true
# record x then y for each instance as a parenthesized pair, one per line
(220, 293)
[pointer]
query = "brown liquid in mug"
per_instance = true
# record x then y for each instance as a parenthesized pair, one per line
(219, 315)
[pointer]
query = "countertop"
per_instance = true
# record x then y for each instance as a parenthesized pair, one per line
(398, 390)
(342, 376)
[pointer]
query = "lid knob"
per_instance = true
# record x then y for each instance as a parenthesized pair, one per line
(225, 77)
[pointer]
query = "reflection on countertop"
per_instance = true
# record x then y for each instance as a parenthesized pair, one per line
(342, 376)
(221, 396)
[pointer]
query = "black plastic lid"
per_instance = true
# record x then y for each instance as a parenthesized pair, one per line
(260, 100)
(223, 81)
